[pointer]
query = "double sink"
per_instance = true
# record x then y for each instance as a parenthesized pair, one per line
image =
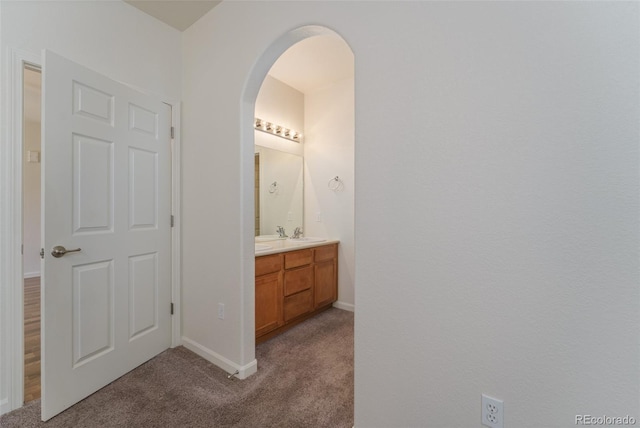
(283, 242)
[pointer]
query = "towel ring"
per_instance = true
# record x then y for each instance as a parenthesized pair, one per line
(335, 184)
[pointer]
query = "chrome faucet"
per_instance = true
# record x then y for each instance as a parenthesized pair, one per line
(280, 231)
(297, 233)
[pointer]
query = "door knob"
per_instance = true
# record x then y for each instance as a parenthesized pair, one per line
(59, 251)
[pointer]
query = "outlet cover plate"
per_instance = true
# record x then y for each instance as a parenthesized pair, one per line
(492, 412)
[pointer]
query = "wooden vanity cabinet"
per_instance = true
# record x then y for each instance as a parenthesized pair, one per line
(268, 293)
(325, 276)
(293, 286)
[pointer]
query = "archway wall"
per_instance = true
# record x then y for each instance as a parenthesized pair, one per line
(494, 245)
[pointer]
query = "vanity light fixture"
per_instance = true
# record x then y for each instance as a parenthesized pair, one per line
(277, 130)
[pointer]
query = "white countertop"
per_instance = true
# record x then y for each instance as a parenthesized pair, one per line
(283, 245)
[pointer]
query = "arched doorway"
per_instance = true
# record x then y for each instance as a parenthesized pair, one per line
(313, 216)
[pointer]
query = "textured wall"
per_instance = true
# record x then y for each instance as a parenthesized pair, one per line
(496, 217)
(329, 152)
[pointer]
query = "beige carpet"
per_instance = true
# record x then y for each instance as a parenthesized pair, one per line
(304, 379)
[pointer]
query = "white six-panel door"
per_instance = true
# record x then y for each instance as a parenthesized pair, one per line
(106, 190)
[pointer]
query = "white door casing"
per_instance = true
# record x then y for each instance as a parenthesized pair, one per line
(106, 190)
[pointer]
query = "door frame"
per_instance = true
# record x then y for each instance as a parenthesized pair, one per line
(11, 200)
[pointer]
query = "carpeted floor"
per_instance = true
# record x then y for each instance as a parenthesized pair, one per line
(304, 379)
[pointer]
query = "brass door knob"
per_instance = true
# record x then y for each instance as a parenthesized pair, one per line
(59, 251)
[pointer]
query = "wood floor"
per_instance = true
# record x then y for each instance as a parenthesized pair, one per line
(31, 339)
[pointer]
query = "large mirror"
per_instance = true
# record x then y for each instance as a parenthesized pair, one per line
(278, 191)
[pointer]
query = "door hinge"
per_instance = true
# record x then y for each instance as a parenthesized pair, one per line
(42, 253)
(172, 221)
(22, 249)
(173, 132)
(172, 308)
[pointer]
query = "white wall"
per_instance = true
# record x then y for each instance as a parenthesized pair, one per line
(329, 152)
(31, 202)
(110, 37)
(281, 104)
(496, 207)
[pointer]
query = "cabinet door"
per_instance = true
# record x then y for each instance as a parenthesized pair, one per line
(268, 303)
(325, 284)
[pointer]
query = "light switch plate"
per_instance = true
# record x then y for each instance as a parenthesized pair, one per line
(33, 156)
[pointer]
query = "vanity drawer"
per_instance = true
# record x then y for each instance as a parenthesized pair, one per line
(297, 304)
(268, 264)
(297, 258)
(297, 280)
(326, 252)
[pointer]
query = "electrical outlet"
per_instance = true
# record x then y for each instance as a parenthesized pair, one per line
(492, 412)
(221, 311)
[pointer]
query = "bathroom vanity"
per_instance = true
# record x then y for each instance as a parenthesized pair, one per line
(294, 281)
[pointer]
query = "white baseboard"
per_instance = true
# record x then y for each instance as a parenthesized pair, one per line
(31, 275)
(344, 306)
(220, 361)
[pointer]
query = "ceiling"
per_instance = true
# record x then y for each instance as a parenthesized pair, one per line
(179, 14)
(313, 63)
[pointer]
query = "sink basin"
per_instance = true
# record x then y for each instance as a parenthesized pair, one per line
(263, 247)
(263, 238)
(306, 239)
